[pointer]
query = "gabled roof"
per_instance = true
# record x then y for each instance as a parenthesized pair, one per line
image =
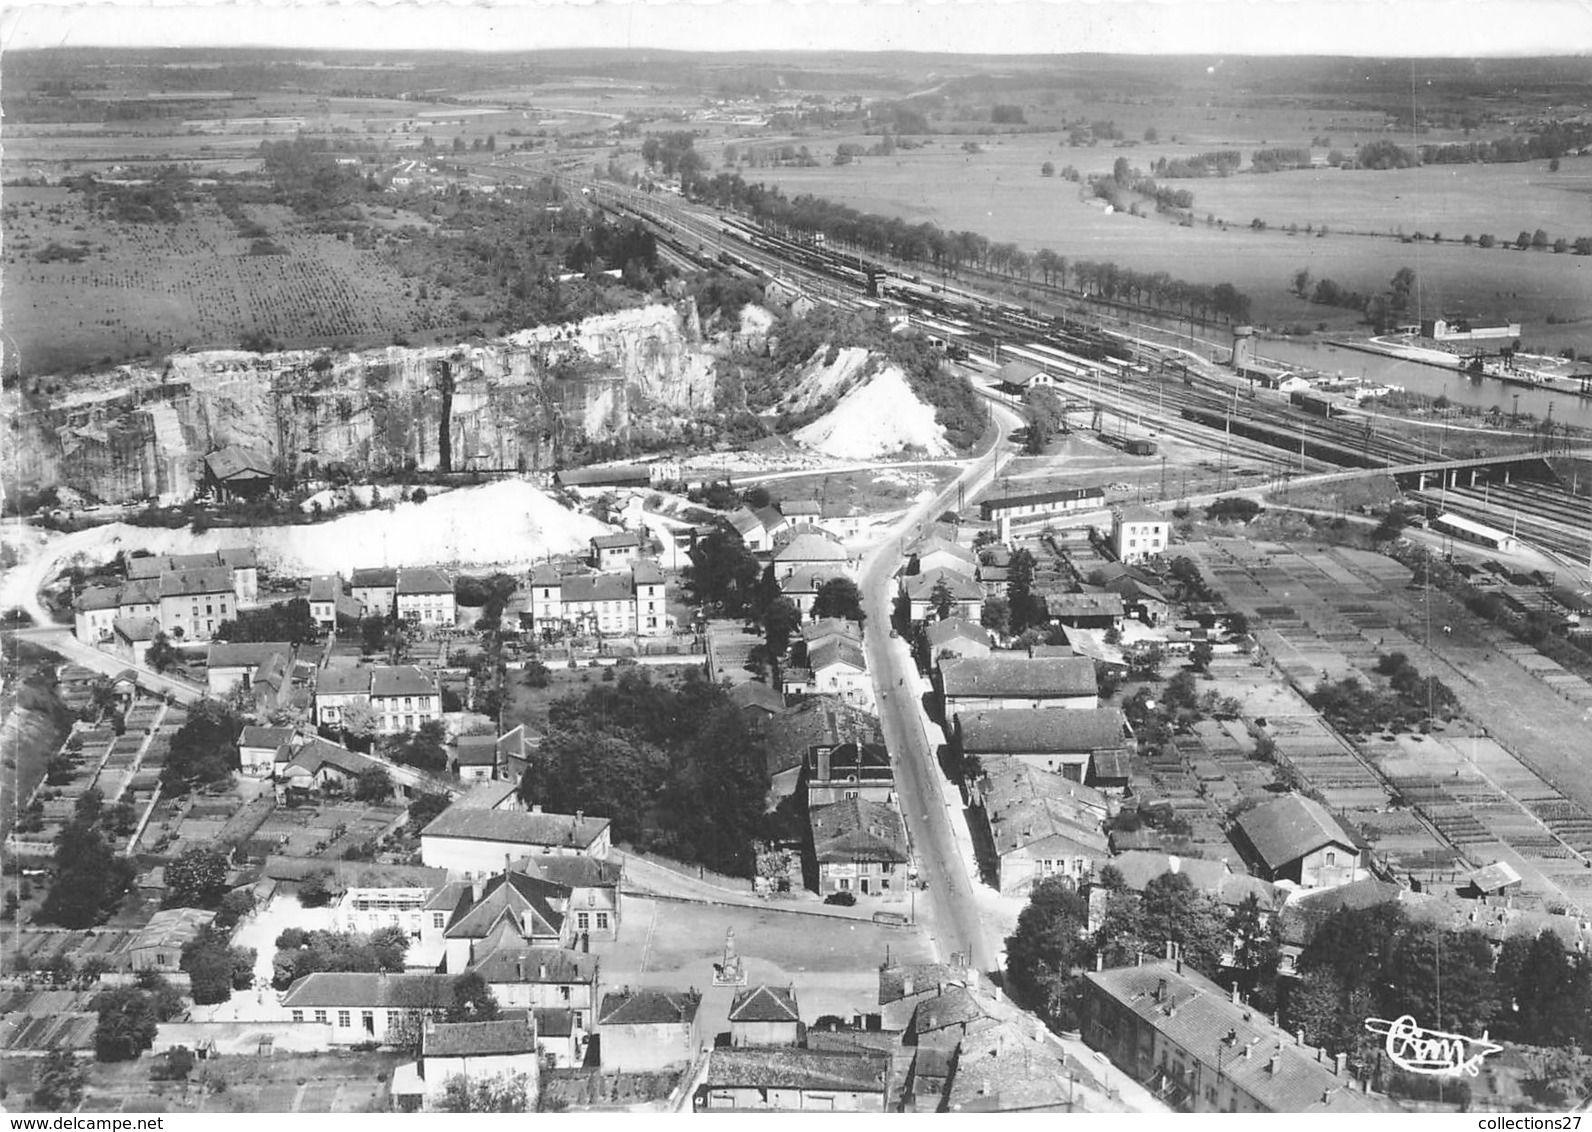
(755, 693)
(423, 580)
(513, 828)
(920, 587)
(1036, 731)
(572, 871)
(343, 681)
(1490, 878)
(98, 597)
(1026, 807)
(794, 507)
(235, 460)
(1286, 829)
(476, 750)
(369, 990)
(401, 680)
(245, 654)
(140, 591)
(771, 519)
(136, 628)
(1139, 513)
(1017, 372)
(836, 652)
(808, 579)
(1019, 676)
(1197, 1015)
(764, 1003)
(825, 627)
(526, 902)
(374, 577)
(317, 753)
(934, 544)
(942, 633)
(868, 761)
(855, 829)
(648, 1008)
(746, 521)
(171, 928)
(597, 587)
(325, 587)
(816, 721)
(811, 547)
(624, 540)
(1083, 604)
(207, 580)
(502, 1038)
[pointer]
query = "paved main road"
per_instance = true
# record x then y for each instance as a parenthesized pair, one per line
(950, 910)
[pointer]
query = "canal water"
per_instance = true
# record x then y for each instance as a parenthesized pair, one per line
(1461, 388)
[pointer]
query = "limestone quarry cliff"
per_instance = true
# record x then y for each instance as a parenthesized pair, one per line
(521, 402)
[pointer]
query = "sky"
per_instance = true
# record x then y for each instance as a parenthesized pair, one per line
(1204, 27)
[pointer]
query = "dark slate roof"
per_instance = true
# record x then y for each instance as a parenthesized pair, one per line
(764, 1003)
(823, 627)
(423, 580)
(343, 681)
(141, 591)
(364, 989)
(648, 1008)
(208, 580)
(755, 693)
(816, 721)
(318, 753)
(811, 548)
(478, 1039)
(374, 577)
(245, 654)
(924, 977)
(868, 761)
(1017, 372)
(1019, 676)
(787, 1067)
(137, 628)
(856, 829)
(545, 965)
(597, 587)
(554, 1023)
(1084, 605)
(98, 597)
(476, 750)
(573, 871)
(962, 587)
(526, 902)
(1064, 495)
(401, 680)
(325, 587)
(1290, 827)
(515, 828)
(836, 651)
(624, 540)
(1035, 731)
(1198, 1015)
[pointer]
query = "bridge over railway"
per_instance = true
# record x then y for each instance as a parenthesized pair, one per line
(1464, 472)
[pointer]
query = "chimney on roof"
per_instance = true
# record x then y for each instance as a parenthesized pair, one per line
(541, 972)
(1299, 1036)
(1171, 950)
(1340, 1064)
(1249, 1047)
(519, 969)
(1235, 994)
(536, 807)
(1100, 961)
(1274, 1066)
(1160, 991)
(908, 985)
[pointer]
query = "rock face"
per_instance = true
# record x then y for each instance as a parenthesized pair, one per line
(515, 403)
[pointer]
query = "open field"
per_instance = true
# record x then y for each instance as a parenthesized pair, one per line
(1000, 194)
(152, 288)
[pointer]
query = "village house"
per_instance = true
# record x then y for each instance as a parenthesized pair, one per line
(476, 1051)
(1040, 504)
(1039, 824)
(850, 770)
(471, 837)
(322, 766)
(765, 1016)
(757, 528)
(511, 908)
(229, 666)
(375, 588)
(240, 561)
(835, 667)
(859, 846)
(94, 613)
(757, 702)
(325, 589)
(194, 603)
(132, 636)
(811, 549)
(1085, 609)
(261, 749)
(158, 944)
(617, 551)
(475, 758)
(808, 729)
(593, 885)
(1139, 533)
(236, 472)
(936, 553)
(1017, 681)
(1066, 743)
(649, 1029)
(957, 590)
(1294, 838)
(793, 1080)
(1164, 1024)
(801, 586)
(599, 604)
(403, 696)
(425, 596)
(956, 636)
(352, 1007)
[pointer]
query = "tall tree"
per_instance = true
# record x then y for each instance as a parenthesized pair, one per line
(473, 1000)
(58, 1082)
(1175, 911)
(1044, 953)
(941, 599)
(196, 878)
(204, 750)
(839, 597)
(127, 1023)
(723, 572)
(1256, 953)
